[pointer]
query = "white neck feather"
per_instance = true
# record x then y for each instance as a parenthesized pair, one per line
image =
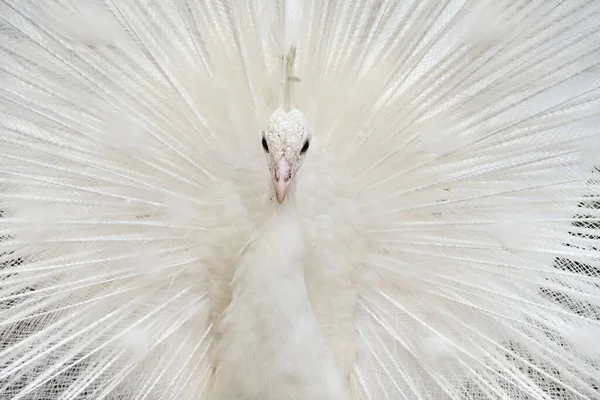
(272, 346)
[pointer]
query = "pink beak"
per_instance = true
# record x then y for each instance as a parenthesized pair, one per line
(283, 175)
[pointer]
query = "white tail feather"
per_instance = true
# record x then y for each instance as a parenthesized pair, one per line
(450, 197)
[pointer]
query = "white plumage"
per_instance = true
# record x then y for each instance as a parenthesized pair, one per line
(438, 239)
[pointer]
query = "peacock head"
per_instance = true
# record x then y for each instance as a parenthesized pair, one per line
(285, 141)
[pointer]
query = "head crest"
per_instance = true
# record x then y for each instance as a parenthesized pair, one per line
(289, 79)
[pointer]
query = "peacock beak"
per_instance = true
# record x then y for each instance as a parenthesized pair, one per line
(283, 175)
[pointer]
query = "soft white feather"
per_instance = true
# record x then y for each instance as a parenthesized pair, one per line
(271, 345)
(449, 202)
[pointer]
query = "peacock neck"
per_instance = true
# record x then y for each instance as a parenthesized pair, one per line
(272, 343)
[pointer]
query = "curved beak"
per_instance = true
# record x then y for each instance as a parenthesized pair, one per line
(283, 175)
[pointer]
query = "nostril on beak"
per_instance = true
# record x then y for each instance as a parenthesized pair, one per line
(282, 171)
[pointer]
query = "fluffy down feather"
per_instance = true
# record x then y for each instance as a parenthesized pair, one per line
(449, 202)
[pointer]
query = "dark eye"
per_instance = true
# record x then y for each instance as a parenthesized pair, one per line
(305, 147)
(264, 145)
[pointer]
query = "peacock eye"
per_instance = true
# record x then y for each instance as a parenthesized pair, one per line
(264, 144)
(305, 147)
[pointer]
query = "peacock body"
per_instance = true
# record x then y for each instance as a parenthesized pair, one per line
(420, 221)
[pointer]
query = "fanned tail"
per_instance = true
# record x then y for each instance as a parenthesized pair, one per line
(450, 197)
